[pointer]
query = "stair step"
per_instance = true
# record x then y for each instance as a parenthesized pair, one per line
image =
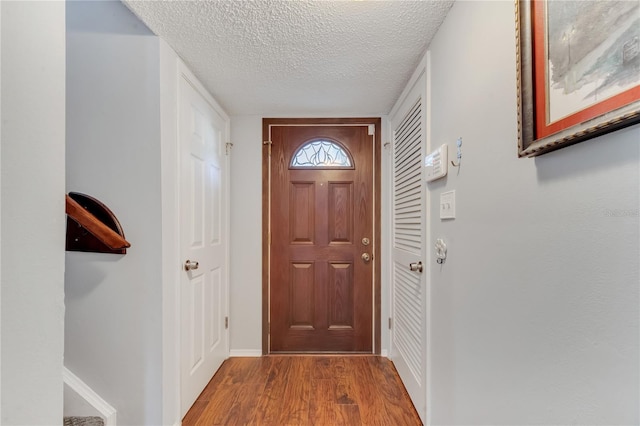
(83, 421)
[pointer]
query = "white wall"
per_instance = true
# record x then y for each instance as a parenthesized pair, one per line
(114, 302)
(246, 237)
(33, 219)
(171, 261)
(0, 213)
(245, 282)
(534, 316)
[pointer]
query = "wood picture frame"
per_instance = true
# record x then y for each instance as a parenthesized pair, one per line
(564, 99)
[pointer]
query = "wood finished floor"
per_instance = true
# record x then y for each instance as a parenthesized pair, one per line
(304, 390)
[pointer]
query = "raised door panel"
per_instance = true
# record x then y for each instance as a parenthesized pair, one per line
(195, 326)
(302, 204)
(340, 212)
(341, 297)
(302, 300)
(195, 191)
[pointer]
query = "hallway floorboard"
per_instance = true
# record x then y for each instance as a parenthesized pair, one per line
(304, 390)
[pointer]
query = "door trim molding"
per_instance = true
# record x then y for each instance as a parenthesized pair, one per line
(266, 207)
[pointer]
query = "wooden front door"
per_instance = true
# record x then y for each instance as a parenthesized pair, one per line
(321, 257)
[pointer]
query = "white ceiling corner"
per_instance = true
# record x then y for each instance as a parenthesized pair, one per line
(274, 57)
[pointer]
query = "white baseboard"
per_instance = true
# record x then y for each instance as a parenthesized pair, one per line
(107, 412)
(245, 353)
(384, 353)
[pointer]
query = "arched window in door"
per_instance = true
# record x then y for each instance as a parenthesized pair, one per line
(321, 154)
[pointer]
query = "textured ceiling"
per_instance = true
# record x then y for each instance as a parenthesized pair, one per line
(298, 57)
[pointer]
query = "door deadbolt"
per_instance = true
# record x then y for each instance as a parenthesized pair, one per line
(190, 265)
(365, 241)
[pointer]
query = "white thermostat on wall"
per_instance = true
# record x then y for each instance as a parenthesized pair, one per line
(435, 164)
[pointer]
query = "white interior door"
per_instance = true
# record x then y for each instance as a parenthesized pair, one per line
(408, 335)
(203, 235)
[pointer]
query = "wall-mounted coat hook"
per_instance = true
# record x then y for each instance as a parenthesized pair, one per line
(459, 154)
(92, 227)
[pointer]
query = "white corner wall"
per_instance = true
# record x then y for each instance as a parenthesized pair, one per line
(0, 212)
(245, 282)
(114, 302)
(33, 219)
(534, 316)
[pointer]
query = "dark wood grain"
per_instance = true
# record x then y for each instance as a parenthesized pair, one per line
(304, 390)
(274, 166)
(87, 220)
(319, 218)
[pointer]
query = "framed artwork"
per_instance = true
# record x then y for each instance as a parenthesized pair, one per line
(578, 71)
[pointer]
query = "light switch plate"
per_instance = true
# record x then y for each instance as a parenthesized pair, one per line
(448, 205)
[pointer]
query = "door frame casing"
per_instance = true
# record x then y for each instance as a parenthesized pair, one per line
(266, 205)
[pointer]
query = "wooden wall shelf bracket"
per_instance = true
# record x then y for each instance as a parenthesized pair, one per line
(92, 227)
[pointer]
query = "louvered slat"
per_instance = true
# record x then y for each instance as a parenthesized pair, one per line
(407, 181)
(407, 315)
(407, 236)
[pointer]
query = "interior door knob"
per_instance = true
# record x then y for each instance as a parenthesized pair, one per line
(366, 257)
(416, 266)
(190, 265)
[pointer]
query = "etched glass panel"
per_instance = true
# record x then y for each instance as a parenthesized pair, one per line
(321, 153)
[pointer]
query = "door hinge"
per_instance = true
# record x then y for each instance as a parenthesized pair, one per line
(390, 323)
(226, 322)
(227, 148)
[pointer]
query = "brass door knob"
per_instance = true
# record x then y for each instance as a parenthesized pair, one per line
(366, 257)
